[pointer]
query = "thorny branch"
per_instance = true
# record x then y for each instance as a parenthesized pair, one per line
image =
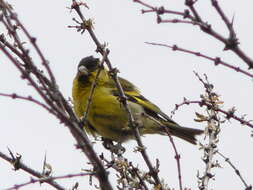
(46, 88)
(55, 103)
(177, 157)
(93, 86)
(216, 60)
(46, 179)
(128, 173)
(212, 130)
(192, 16)
(18, 164)
(212, 102)
(28, 98)
(228, 114)
(87, 25)
(247, 187)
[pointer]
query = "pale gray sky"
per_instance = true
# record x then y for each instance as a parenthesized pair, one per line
(164, 77)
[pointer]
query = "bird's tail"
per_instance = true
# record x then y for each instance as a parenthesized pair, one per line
(188, 134)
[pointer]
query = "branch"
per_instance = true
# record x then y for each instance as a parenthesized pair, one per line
(216, 61)
(87, 25)
(247, 187)
(20, 165)
(212, 130)
(28, 98)
(229, 114)
(48, 91)
(93, 86)
(231, 43)
(177, 157)
(46, 179)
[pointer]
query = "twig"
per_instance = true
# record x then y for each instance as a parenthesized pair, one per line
(161, 10)
(216, 61)
(29, 170)
(36, 47)
(28, 98)
(177, 157)
(93, 86)
(144, 4)
(160, 20)
(54, 99)
(28, 66)
(229, 114)
(128, 171)
(123, 99)
(190, 4)
(225, 19)
(247, 187)
(212, 130)
(46, 179)
(231, 43)
(7, 44)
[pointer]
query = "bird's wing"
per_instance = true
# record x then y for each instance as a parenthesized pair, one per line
(134, 96)
(126, 85)
(150, 108)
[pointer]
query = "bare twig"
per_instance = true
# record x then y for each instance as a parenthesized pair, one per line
(177, 157)
(29, 170)
(229, 114)
(231, 43)
(93, 86)
(225, 19)
(28, 98)
(50, 93)
(46, 179)
(216, 61)
(247, 187)
(212, 130)
(33, 42)
(100, 48)
(161, 10)
(129, 172)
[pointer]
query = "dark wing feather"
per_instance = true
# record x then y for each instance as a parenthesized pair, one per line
(134, 95)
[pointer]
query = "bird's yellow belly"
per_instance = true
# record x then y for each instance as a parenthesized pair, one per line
(106, 115)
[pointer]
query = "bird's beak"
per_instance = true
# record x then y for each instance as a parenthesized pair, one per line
(83, 70)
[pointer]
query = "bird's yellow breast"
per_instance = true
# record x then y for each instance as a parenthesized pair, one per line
(106, 114)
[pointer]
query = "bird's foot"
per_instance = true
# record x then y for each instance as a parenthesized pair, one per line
(117, 149)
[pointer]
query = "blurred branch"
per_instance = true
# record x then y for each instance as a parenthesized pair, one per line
(128, 175)
(212, 102)
(228, 114)
(33, 40)
(216, 61)
(229, 24)
(93, 86)
(212, 130)
(46, 179)
(18, 164)
(177, 157)
(192, 14)
(247, 187)
(45, 87)
(28, 98)
(87, 25)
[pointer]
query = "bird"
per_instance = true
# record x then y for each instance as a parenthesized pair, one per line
(107, 117)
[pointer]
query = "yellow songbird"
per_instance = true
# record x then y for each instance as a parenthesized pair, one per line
(108, 118)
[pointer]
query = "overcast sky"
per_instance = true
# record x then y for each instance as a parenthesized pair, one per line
(164, 77)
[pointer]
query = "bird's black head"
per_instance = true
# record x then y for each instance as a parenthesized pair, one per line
(86, 66)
